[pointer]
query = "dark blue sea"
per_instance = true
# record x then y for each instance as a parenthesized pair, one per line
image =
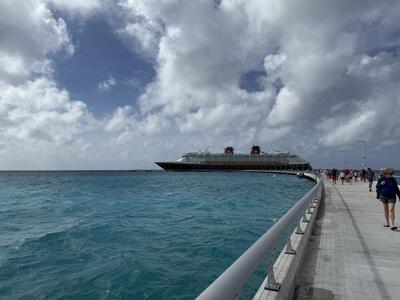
(131, 235)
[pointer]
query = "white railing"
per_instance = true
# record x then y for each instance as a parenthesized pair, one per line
(230, 283)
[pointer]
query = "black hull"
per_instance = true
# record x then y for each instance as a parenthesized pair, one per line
(181, 167)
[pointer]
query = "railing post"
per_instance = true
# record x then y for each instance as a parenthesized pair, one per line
(298, 229)
(305, 219)
(272, 284)
(289, 247)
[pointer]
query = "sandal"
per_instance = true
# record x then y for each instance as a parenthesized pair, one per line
(386, 225)
(393, 228)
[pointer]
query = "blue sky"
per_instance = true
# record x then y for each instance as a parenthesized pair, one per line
(99, 54)
(101, 84)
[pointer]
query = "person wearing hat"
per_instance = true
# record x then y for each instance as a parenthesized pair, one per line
(388, 188)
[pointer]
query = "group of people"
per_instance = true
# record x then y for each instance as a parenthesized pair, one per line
(386, 188)
(348, 176)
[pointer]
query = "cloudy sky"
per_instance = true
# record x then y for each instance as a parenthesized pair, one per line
(117, 84)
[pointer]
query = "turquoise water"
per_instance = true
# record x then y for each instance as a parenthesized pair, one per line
(131, 235)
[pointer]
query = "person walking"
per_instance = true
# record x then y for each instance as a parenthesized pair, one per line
(355, 175)
(342, 176)
(334, 175)
(363, 175)
(388, 188)
(346, 174)
(349, 175)
(371, 176)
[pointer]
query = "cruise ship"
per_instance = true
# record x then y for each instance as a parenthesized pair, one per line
(231, 161)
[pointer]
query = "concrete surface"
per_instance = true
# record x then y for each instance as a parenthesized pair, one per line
(350, 254)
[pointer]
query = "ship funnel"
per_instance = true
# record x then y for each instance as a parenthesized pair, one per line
(255, 150)
(228, 150)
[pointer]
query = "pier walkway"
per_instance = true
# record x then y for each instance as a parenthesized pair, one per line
(351, 255)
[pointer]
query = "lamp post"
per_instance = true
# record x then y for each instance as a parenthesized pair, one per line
(364, 158)
(345, 158)
(334, 160)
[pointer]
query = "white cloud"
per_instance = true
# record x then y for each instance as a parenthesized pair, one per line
(288, 107)
(315, 56)
(332, 73)
(347, 131)
(38, 121)
(39, 111)
(107, 85)
(274, 62)
(77, 6)
(34, 109)
(29, 32)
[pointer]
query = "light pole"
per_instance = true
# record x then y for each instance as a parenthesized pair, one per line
(364, 159)
(345, 158)
(334, 160)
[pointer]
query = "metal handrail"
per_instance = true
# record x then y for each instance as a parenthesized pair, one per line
(229, 284)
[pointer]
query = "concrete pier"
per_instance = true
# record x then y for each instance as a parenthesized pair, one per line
(350, 254)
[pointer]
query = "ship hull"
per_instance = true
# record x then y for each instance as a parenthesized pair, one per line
(181, 167)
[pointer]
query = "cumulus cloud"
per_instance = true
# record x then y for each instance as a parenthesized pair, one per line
(200, 59)
(38, 120)
(329, 73)
(29, 33)
(321, 68)
(39, 111)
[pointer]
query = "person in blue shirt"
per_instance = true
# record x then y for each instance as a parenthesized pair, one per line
(388, 188)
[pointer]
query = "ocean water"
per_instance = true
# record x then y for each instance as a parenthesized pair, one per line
(131, 235)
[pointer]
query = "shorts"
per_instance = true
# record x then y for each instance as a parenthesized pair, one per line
(387, 200)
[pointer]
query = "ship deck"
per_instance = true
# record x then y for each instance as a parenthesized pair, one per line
(234, 166)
